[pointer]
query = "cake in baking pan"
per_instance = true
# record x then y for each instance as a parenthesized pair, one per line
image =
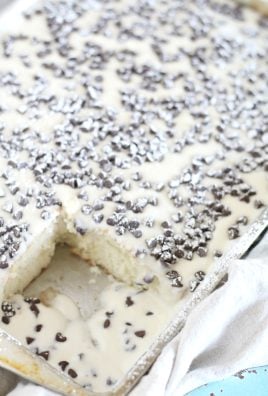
(136, 133)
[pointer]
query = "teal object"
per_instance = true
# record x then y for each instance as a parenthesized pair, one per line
(249, 382)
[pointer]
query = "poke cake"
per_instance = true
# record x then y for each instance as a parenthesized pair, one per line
(137, 134)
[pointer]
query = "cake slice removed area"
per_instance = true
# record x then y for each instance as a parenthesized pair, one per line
(78, 319)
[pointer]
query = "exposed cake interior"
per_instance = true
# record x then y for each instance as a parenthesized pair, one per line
(96, 249)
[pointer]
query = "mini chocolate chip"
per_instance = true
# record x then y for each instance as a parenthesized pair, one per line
(34, 309)
(63, 364)
(109, 314)
(189, 255)
(94, 373)
(34, 300)
(176, 282)
(44, 354)
(201, 251)
(6, 320)
(200, 275)
(29, 340)
(245, 198)
(168, 233)
(194, 284)
(109, 381)
(165, 224)
(38, 328)
(60, 338)
(81, 230)
(27, 300)
(188, 246)
(151, 243)
(233, 232)
(72, 373)
(242, 220)
(258, 204)
(140, 333)
(128, 324)
(179, 240)
(235, 192)
(179, 253)
(129, 301)
(149, 313)
(217, 253)
(3, 265)
(172, 274)
(106, 323)
(110, 221)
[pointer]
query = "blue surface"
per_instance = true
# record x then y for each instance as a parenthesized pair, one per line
(250, 382)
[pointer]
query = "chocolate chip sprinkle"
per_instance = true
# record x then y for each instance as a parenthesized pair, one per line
(242, 220)
(44, 354)
(72, 373)
(202, 251)
(29, 340)
(176, 282)
(3, 264)
(172, 274)
(149, 313)
(5, 320)
(38, 328)
(106, 323)
(200, 275)
(233, 232)
(217, 253)
(140, 333)
(63, 364)
(34, 309)
(109, 313)
(129, 301)
(60, 338)
(109, 381)
(194, 283)
(258, 204)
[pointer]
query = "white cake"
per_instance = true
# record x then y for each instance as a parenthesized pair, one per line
(135, 132)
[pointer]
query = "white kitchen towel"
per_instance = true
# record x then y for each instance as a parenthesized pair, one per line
(225, 333)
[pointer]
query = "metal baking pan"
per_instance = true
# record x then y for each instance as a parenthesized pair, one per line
(16, 358)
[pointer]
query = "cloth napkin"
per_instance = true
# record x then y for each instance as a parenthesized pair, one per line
(225, 333)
